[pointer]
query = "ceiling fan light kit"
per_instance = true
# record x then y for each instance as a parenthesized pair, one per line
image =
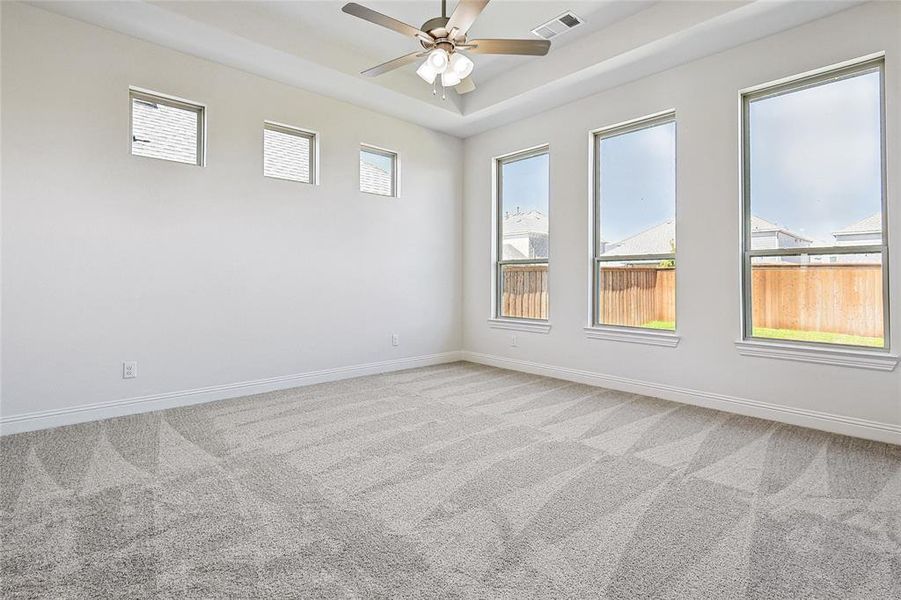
(461, 65)
(444, 41)
(453, 69)
(427, 72)
(438, 60)
(449, 79)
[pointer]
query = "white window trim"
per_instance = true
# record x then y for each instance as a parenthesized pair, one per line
(527, 325)
(619, 333)
(177, 102)
(880, 359)
(634, 335)
(395, 180)
(313, 136)
(877, 360)
(495, 319)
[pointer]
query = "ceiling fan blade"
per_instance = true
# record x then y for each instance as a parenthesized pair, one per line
(465, 86)
(465, 14)
(367, 14)
(393, 64)
(527, 47)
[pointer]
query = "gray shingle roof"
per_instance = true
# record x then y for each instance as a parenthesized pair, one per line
(286, 156)
(531, 221)
(660, 239)
(872, 224)
(373, 179)
(161, 131)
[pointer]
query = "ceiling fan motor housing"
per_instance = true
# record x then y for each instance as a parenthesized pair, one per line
(437, 28)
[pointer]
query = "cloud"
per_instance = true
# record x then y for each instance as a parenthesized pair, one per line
(816, 155)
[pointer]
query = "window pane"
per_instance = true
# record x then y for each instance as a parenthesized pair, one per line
(524, 208)
(816, 165)
(835, 299)
(637, 294)
(286, 155)
(524, 291)
(163, 131)
(377, 172)
(637, 192)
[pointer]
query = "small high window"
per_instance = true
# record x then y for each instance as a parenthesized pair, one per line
(289, 153)
(166, 128)
(378, 171)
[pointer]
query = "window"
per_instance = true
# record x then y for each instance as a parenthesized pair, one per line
(521, 252)
(634, 213)
(166, 128)
(814, 243)
(289, 153)
(378, 171)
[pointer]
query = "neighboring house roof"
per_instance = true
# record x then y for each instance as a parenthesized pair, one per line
(872, 224)
(511, 252)
(374, 179)
(759, 225)
(660, 239)
(519, 223)
(161, 131)
(286, 156)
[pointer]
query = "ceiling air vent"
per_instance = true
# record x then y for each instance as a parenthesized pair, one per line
(558, 25)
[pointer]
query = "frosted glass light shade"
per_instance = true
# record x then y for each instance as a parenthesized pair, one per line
(449, 78)
(438, 60)
(427, 72)
(460, 65)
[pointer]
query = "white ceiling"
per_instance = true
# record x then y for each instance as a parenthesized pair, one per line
(314, 45)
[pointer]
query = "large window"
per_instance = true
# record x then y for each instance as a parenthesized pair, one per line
(521, 264)
(166, 128)
(635, 224)
(814, 242)
(289, 153)
(378, 171)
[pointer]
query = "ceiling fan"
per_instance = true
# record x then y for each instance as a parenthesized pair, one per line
(443, 38)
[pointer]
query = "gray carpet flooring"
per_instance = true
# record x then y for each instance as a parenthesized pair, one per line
(453, 481)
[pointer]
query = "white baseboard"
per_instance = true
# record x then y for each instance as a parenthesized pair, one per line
(862, 428)
(117, 408)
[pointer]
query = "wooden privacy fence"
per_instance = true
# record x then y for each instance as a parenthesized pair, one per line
(634, 296)
(524, 291)
(831, 298)
(823, 297)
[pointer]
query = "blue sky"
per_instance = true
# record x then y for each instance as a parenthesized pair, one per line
(525, 184)
(815, 165)
(378, 160)
(815, 156)
(637, 181)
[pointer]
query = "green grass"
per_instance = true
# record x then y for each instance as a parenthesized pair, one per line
(791, 334)
(669, 325)
(818, 336)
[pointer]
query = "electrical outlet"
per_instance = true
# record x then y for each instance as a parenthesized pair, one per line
(513, 343)
(395, 339)
(129, 369)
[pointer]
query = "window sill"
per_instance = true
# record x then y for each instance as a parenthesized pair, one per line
(634, 336)
(520, 325)
(842, 357)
